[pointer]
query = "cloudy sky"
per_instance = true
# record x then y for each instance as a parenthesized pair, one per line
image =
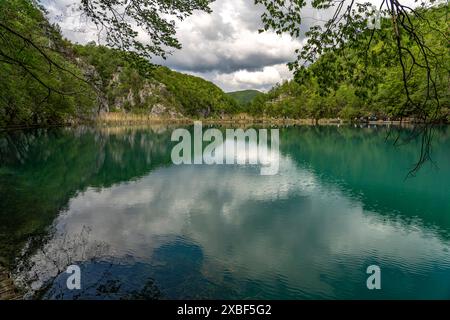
(223, 47)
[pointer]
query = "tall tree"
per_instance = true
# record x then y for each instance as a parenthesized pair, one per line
(123, 24)
(121, 21)
(354, 25)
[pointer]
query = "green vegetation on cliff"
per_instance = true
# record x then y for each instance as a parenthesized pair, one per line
(48, 80)
(156, 90)
(350, 83)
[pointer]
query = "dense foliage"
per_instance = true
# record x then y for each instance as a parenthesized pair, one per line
(157, 90)
(39, 83)
(348, 83)
(44, 79)
(123, 22)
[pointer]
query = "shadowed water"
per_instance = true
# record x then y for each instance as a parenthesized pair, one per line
(111, 201)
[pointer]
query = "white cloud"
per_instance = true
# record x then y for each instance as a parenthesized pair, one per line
(260, 79)
(223, 211)
(224, 47)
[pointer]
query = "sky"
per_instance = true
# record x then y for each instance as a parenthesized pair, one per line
(224, 47)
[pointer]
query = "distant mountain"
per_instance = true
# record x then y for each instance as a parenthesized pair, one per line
(245, 96)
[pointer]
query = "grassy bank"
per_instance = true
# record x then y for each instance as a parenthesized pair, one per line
(119, 118)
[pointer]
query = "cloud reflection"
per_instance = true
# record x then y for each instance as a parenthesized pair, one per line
(288, 230)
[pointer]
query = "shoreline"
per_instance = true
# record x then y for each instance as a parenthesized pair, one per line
(120, 119)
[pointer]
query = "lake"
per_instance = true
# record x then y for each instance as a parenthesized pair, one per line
(110, 201)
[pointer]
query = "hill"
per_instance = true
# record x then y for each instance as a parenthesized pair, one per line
(149, 89)
(244, 97)
(49, 80)
(352, 82)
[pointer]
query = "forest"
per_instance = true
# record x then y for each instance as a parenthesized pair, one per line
(53, 81)
(351, 83)
(46, 79)
(130, 164)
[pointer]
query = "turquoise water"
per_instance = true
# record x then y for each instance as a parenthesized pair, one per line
(111, 201)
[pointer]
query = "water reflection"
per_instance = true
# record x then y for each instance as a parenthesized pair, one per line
(162, 231)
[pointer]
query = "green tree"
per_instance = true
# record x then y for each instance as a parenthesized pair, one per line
(347, 29)
(119, 18)
(38, 84)
(32, 52)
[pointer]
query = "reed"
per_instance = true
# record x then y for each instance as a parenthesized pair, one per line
(120, 119)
